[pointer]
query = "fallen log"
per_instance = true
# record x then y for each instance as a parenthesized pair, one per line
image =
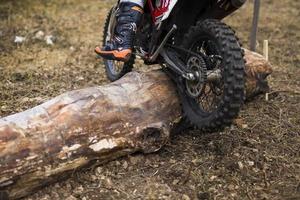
(136, 113)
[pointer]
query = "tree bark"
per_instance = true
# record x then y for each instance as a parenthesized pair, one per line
(136, 113)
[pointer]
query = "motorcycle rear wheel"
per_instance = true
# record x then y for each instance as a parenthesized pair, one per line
(227, 94)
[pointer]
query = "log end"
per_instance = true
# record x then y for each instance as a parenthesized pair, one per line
(257, 70)
(154, 137)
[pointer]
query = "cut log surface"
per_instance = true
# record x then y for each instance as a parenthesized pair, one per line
(136, 113)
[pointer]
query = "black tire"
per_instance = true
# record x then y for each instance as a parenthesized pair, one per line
(124, 67)
(233, 77)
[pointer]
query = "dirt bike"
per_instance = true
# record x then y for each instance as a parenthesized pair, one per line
(198, 51)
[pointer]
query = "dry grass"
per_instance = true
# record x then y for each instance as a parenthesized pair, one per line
(257, 161)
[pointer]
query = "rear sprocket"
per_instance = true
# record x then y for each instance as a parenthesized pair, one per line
(197, 66)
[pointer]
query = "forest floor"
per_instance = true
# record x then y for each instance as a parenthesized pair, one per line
(258, 160)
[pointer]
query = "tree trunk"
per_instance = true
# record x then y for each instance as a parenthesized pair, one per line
(136, 113)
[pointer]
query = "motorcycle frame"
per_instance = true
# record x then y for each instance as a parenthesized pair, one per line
(165, 16)
(183, 16)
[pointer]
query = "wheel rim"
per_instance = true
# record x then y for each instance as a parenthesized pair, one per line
(212, 92)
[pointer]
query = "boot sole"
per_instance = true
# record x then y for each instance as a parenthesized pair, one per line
(123, 55)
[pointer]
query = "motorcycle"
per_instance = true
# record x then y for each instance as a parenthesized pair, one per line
(198, 51)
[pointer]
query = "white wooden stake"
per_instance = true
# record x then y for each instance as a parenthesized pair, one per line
(266, 49)
(267, 97)
(266, 55)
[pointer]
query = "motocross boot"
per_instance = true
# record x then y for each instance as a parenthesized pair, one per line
(120, 48)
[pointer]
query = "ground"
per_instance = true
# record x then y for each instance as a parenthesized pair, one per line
(256, 158)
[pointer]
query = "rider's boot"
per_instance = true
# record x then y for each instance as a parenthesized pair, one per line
(120, 48)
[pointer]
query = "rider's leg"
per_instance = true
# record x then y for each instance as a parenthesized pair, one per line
(128, 18)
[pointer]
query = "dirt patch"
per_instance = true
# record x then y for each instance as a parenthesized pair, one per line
(256, 158)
